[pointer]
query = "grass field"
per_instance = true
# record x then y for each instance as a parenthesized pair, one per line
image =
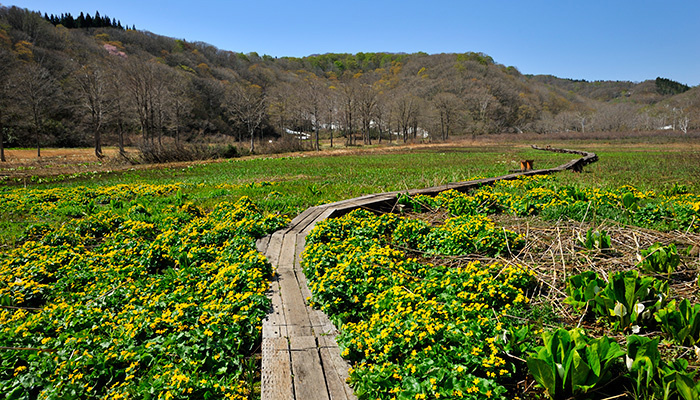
(158, 227)
(305, 179)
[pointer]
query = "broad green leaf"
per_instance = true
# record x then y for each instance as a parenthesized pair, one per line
(580, 379)
(593, 357)
(544, 373)
(686, 387)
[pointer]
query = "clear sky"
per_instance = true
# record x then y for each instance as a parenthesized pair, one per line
(631, 40)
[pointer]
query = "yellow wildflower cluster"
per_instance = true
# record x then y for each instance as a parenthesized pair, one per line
(408, 324)
(670, 209)
(143, 302)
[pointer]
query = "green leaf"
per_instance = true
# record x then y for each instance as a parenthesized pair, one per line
(544, 373)
(580, 380)
(5, 300)
(593, 357)
(629, 201)
(411, 385)
(686, 387)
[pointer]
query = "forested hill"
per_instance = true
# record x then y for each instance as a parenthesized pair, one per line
(72, 86)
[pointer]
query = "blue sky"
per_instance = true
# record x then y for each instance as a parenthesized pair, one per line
(592, 40)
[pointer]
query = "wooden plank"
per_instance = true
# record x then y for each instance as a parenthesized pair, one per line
(301, 245)
(309, 380)
(274, 324)
(276, 372)
(302, 216)
(274, 247)
(320, 324)
(325, 214)
(335, 369)
(295, 310)
(288, 251)
(342, 202)
(379, 203)
(308, 220)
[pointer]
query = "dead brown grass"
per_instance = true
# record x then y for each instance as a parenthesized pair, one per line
(24, 163)
(553, 251)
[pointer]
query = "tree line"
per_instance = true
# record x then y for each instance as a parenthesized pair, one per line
(94, 85)
(84, 21)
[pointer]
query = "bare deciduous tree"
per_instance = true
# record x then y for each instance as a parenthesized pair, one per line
(246, 104)
(38, 96)
(447, 105)
(146, 83)
(367, 106)
(7, 61)
(120, 105)
(95, 101)
(179, 103)
(348, 106)
(313, 93)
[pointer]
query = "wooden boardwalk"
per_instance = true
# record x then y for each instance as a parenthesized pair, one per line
(300, 357)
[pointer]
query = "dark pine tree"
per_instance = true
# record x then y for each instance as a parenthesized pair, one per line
(668, 87)
(80, 21)
(69, 22)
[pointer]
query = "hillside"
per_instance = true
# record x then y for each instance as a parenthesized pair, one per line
(95, 85)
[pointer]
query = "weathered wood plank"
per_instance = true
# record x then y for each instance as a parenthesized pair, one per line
(274, 247)
(301, 245)
(288, 252)
(296, 220)
(276, 372)
(343, 202)
(295, 310)
(325, 214)
(310, 218)
(320, 323)
(379, 203)
(335, 369)
(309, 380)
(274, 324)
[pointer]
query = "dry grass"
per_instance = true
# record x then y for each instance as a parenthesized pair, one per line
(553, 250)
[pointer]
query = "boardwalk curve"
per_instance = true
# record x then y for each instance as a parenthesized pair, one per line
(300, 357)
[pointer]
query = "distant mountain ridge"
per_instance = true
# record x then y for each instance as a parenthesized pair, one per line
(145, 88)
